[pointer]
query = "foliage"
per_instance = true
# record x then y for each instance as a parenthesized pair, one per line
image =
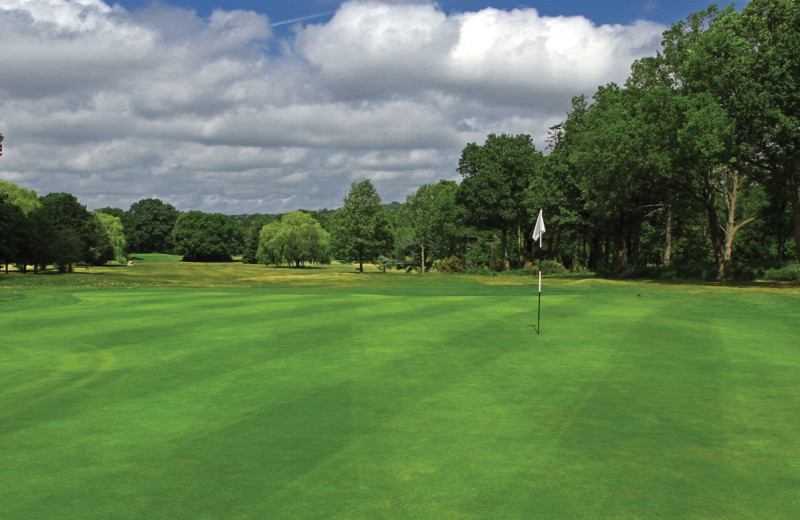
(12, 222)
(691, 168)
(148, 226)
(251, 230)
(497, 178)
(451, 265)
(787, 273)
(297, 238)
(430, 219)
(73, 235)
(361, 227)
(548, 267)
(206, 237)
(112, 227)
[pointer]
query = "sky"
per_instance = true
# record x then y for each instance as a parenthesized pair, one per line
(272, 106)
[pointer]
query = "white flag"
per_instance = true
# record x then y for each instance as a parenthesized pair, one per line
(538, 229)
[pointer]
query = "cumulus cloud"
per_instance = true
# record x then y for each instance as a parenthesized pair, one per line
(218, 114)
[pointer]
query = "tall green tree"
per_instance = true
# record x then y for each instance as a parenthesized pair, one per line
(361, 227)
(772, 31)
(251, 231)
(73, 236)
(271, 244)
(206, 237)
(12, 224)
(711, 60)
(148, 225)
(306, 241)
(429, 217)
(495, 185)
(115, 234)
(297, 238)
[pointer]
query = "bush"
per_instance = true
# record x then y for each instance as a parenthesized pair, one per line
(673, 271)
(452, 265)
(384, 263)
(549, 268)
(743, 273)
(786, 273)
(481, 270)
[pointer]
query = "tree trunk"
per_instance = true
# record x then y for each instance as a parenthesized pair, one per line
(619, 246)
(781, 238)
(794, 185)
(724, 243)
(713, 229)
(668, 238)
(504, 239)
(422, 264)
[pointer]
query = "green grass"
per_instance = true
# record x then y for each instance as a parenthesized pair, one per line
(172, 390)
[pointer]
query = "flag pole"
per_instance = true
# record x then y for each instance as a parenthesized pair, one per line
(538, 231)
(539, 310)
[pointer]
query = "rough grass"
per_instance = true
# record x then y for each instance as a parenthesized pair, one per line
(174, 390)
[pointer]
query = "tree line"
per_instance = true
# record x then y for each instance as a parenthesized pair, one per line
(688, 169)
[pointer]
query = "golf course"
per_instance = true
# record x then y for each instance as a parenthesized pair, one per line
(169, 389)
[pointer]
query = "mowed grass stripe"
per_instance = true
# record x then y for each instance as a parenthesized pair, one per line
(413, 397)
(147, 383)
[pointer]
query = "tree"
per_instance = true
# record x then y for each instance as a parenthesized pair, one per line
(16, 203)
(615, 173)
(361, 227)
(25, 199)
(74, 235)
(271, 243)
(252, 226)
(305, 240)
(710, 60)
(429, 216)
(12, 224)
(206, 237)
(115, 234)
(497, 178)
(297, 238)
(770, 28)
(148, 225)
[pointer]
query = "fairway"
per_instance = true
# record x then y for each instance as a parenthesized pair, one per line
(171, 390)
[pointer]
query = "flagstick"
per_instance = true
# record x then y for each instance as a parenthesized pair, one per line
(539, 310)
(538, 232)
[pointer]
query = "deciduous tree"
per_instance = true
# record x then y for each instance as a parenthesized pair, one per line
(361, 227)
(206, 237)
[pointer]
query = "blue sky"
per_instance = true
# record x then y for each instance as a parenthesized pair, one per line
(601, 12)
(224, 107)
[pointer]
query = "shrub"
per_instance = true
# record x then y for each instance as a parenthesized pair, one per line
(549, 268)
(787, 272)
(452, 265)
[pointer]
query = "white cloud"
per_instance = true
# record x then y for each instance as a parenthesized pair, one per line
(215, 114)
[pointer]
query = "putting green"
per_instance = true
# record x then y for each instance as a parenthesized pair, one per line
(172, 390)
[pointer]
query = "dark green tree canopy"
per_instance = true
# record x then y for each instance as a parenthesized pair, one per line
(75, 234)
(148, 226)
(497, 180)
(207, 237)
